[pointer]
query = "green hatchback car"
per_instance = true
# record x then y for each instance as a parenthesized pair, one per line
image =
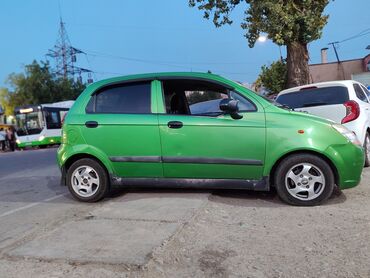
(199, 130)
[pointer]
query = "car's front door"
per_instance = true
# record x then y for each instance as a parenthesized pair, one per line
(122, 122)
(198, 141)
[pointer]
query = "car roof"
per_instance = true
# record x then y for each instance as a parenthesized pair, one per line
(160, 75)
(344, 83)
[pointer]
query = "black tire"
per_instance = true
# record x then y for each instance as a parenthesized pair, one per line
(366, 150)
(286, 166)
(98, 170)
(43, 146)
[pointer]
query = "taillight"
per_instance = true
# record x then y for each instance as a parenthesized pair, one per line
(352, 111)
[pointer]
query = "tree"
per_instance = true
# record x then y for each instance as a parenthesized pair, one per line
(6, 102)
(37, 85)
(293, 23)
(273, 77)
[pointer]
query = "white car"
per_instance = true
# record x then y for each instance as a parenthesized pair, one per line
(346, 102)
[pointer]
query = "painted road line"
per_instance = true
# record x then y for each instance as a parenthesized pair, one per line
(31, 205)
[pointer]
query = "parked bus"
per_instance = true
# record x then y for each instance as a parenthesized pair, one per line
(40, 125)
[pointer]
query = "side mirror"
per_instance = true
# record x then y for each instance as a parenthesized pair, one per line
(230, 106)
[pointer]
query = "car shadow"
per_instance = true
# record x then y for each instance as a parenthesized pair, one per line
(245, 198)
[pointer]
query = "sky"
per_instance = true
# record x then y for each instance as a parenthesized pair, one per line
(123, 37)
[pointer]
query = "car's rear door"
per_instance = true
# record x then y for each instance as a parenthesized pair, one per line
(122, 122)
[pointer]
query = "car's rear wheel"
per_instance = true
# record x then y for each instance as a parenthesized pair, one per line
(367, 150)
(304, 179)
(87, 180)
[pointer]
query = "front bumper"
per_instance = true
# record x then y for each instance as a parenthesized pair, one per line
(349, 161)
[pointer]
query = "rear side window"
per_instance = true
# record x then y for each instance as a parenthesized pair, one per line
(367, 92)
(315, 97)
(133, 98)
(359, 93)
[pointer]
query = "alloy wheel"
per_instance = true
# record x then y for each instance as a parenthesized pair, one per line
(85, 181)
(305, 181)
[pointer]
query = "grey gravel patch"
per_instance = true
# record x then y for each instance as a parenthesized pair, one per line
(101, 241)
(167, 207)
(211, 262)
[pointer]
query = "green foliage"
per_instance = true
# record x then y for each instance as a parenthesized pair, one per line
(273, 77)
(5, 101)
(285, 21)
(37, 85)
(293, 23)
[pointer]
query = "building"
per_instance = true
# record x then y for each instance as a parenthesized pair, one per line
(356, 69)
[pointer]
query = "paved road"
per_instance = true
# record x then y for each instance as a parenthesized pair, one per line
(173, 233)
(42, 223)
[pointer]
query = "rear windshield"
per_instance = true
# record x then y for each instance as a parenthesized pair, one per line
(314, 97)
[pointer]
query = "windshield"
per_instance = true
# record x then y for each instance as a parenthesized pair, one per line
(29, 124)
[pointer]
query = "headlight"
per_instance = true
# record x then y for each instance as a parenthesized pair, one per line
(42, 137)
(347, 133)
(18, 141)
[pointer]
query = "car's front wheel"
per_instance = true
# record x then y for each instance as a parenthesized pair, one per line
(87, 180)
(304, 179)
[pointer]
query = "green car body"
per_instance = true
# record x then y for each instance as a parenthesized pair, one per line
(142, 147)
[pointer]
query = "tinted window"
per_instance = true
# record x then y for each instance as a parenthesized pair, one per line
(243, 103)
(359, 93)
(367, 92)
(314, 97)
(213, 105)
(126, 99)
(53, 120)
(54, 116)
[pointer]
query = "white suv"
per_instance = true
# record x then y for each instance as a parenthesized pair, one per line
(346, 102)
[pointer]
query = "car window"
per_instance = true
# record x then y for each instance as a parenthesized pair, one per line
(314, 97)
(200, 98)
(53, 120)
(244, 104)
(359, 93)
(204, 102)
(133, 98)
(366, 91)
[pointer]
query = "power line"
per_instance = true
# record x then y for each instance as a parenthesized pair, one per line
(361, 34)
(100, 54)
(155, 62)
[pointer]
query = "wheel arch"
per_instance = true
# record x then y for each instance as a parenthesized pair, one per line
(73, 158)
(325, 158)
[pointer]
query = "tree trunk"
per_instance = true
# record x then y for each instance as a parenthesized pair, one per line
(297, 63)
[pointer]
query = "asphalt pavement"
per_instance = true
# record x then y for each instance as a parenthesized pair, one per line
(173, 233)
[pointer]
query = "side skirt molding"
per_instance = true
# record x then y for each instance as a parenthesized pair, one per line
(256, 185)
(190, 160)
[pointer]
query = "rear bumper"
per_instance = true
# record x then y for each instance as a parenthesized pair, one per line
(349, 161)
